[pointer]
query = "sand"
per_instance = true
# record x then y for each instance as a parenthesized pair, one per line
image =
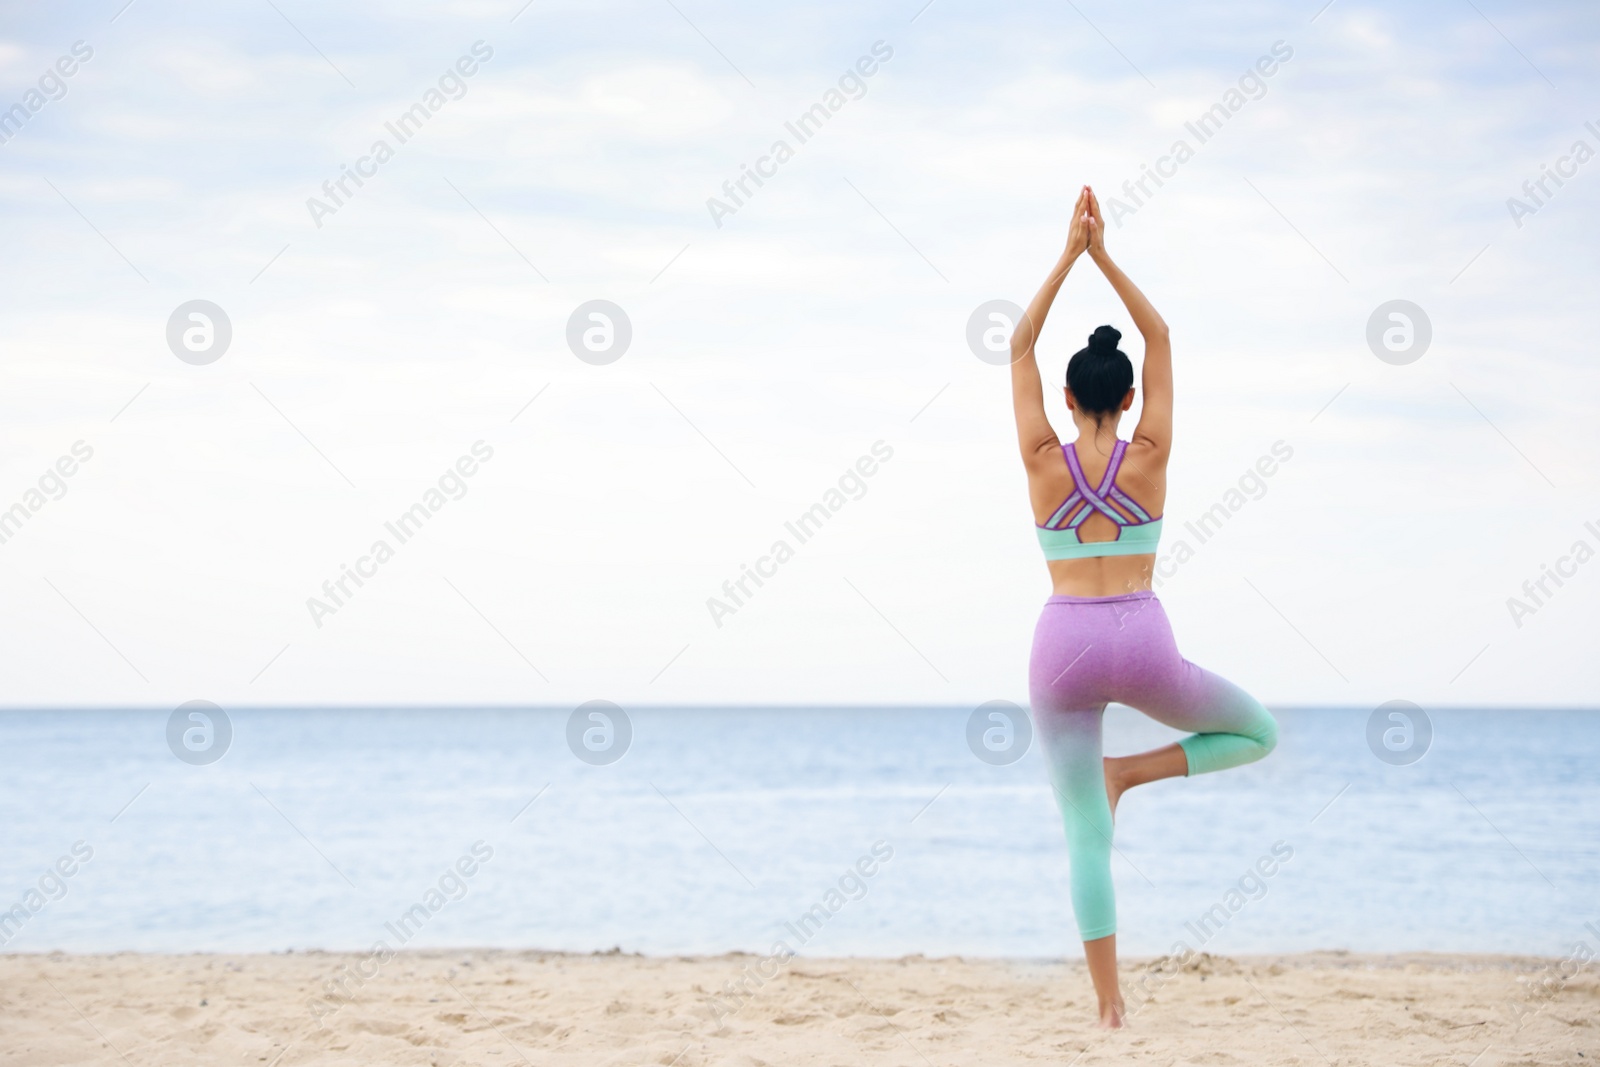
(493, 1007)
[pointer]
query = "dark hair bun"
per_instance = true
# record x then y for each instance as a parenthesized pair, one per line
(1100, 375)
(1104, 340)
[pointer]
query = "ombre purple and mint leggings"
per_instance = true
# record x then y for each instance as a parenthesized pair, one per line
(1092, 651)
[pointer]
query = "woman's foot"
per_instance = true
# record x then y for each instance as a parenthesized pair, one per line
(1122, 773)
(1116, 783)
(1101, 956)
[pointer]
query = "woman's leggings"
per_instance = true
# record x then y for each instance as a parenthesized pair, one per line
(1091, 651)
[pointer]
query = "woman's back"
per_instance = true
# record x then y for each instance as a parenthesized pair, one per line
(1136, 495)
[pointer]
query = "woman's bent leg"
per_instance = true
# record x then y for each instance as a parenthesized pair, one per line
(1228, 727)
(1231, 727)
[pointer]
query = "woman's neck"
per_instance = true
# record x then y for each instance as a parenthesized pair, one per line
(1100, 436)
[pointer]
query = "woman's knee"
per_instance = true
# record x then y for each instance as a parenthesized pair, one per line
(1266, 732)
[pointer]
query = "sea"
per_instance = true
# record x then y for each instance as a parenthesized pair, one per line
(829, 831)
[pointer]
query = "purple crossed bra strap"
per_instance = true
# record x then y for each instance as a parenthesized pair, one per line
(1096, 497)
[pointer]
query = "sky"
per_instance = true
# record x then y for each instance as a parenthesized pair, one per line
(405, 341)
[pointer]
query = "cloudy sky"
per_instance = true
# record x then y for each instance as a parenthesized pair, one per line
(377, 340)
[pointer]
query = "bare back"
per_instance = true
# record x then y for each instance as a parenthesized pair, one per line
(1142, 476)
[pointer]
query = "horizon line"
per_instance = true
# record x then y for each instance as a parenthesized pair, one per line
(721, 706)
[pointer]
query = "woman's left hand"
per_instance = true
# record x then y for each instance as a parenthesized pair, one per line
(1094, 223)
(1078, 233)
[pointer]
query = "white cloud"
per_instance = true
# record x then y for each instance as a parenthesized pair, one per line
(782, 345)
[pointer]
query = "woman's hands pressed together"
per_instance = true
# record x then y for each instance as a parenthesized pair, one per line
(1078, 232)
(1094, 224)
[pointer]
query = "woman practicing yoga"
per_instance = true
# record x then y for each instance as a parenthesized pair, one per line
(1103, 636)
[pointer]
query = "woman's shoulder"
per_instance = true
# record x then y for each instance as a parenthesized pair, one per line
(1147, 448)
(1148, 458)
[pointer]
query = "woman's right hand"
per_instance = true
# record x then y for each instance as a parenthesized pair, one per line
(1078, 233)
(1095, 224)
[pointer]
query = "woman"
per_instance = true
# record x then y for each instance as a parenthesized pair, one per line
(1103, 636)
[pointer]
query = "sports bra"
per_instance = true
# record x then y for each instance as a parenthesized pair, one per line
(1059, 536)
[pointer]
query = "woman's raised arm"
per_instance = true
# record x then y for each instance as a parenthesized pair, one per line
(1155, 418)
(1035, 436)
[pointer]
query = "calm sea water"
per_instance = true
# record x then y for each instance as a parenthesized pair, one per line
(720, 827)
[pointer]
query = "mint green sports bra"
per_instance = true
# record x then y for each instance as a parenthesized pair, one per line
(1059, 536)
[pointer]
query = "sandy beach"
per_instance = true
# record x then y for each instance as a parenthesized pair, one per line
(493, 1007)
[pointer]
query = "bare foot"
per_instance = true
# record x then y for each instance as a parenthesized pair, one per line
(1114, 785)
(1111, 1017)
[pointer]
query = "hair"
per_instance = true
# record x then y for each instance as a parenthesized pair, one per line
(1101, 374)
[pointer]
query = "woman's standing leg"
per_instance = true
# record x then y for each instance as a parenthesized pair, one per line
(1071, 742)
(1068, 719)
